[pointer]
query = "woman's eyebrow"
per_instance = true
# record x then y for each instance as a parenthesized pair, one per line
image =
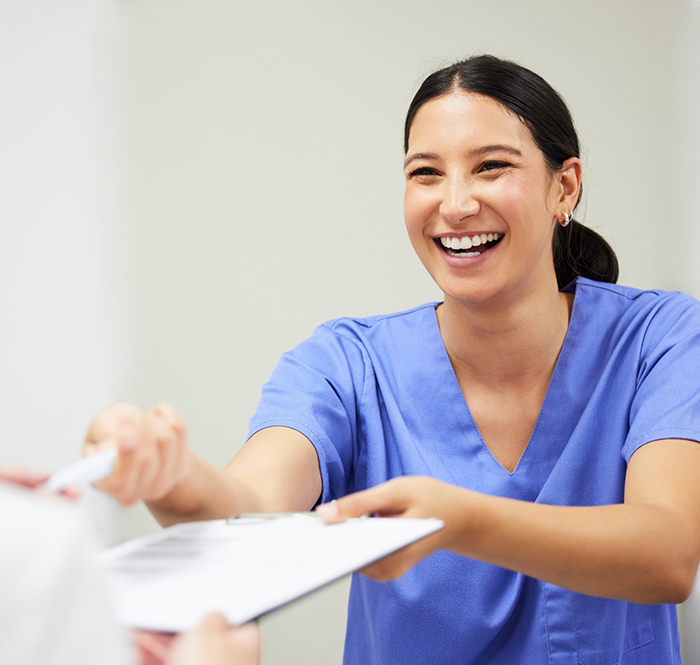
(419, 155)
(484, 150)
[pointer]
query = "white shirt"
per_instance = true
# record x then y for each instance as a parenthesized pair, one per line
(54, 606)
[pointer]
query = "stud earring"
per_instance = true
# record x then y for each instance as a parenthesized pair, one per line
(567, 219)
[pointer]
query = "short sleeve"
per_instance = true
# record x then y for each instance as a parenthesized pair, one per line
(315, 390)
(666, 404)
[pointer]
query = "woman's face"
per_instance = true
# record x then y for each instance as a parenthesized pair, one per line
(480, 202)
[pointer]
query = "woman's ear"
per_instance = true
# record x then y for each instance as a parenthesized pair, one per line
(569, 177)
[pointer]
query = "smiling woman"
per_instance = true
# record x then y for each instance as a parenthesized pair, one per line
(474, 170)
(549, 417)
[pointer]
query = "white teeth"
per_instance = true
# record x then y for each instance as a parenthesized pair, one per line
(467, 242)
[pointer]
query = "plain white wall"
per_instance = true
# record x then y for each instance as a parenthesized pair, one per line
(57, 365)
(190, 187)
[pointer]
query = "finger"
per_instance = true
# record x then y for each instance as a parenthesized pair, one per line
(117, 426)
(386, 500)
(169, 412)
(171, 449)
(71, 493)
(108, 424)
(164, 450)
(125, 442)
(245, 643)
(214, 623)
(153, 648)
(23, 477)
(400, 562)
(329, 512)
(143, 460)
(133, 466)
(205, 645)
(180, 430)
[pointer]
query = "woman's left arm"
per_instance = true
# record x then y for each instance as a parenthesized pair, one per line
(645, 550)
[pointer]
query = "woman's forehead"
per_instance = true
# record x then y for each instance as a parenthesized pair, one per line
(467, 118)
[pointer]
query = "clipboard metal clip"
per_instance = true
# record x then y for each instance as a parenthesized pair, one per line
(265, 517)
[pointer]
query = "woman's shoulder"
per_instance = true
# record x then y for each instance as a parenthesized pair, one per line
(355, 339)
(652, 312)
(616, 295)
(416, 317)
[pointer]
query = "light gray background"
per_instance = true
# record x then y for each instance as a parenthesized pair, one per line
(189, 187)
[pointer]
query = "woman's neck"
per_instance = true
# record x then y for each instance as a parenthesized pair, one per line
(511, 343)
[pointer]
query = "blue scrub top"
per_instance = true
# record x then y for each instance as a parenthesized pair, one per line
(378, 398)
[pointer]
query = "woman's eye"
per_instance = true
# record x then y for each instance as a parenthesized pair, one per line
(492, 166)
(422, 171)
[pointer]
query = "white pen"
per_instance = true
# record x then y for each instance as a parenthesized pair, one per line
(85, 471)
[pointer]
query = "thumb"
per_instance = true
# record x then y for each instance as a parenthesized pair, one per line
(383, 500)
(213, 624)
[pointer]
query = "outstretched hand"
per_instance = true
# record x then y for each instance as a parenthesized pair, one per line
(214, 643)
(408, 496)
(23, 477)
(33, 480)
(153, 453)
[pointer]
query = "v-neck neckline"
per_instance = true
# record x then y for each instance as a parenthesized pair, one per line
(452, 384)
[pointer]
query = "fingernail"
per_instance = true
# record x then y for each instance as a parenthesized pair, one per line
(127, 440)
(329, 511)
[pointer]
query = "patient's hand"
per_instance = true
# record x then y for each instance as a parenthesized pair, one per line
(24, 477)
(33, 480)
(212, 643)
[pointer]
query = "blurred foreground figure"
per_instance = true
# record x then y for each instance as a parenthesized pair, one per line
(55, 607)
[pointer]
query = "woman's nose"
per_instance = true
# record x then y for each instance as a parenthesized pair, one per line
(458, 202)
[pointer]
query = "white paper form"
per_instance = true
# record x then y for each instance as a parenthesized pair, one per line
(170, 581)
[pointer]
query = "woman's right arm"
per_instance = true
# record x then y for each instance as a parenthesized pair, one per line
(277, 469)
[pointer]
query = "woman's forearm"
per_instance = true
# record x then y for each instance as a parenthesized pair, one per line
(645, 550)
(275, 471)
(206, 492)
(638, 553)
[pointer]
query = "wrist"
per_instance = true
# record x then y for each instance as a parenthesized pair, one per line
(463, 519)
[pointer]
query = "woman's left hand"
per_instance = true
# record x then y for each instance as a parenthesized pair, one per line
(408, 496)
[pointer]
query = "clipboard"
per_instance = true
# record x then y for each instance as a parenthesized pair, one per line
(243, 568)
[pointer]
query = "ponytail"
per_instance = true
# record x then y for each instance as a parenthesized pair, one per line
(580, 252)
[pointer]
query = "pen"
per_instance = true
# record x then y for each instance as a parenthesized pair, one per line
(85, 471)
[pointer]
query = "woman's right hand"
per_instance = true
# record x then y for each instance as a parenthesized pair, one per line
(153, 453)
